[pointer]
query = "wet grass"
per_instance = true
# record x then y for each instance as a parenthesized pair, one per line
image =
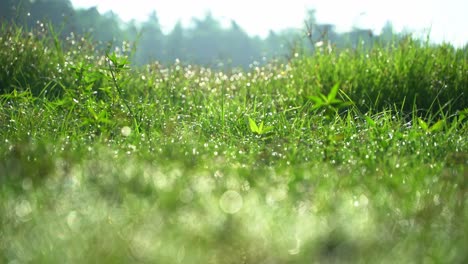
(346, 156)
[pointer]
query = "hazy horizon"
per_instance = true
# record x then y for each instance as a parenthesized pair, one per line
(445, 20)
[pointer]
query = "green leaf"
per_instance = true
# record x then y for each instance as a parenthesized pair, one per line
(324, 98)
(333, 92)
(370, 121)
(437, 126)
(335, 101)
(316, 99)
(345, 104)
(462, 115)
(253, 126)
(260, 129)
(317, 106)
(267, 129)
(423, 124)
(91, 110)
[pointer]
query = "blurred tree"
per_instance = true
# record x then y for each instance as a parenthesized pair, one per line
(57, 12)
(131, 30)
(238, 47)
(131, 36)
(206, 43)
(387, 34)
(359, 38)
(104, 28)
(273, 43)
(151, 43)
(205, 40)
(108, 28)
(13, 9)
(176, 44)
(88, 20)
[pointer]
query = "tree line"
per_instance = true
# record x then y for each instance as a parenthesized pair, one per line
(205, 43)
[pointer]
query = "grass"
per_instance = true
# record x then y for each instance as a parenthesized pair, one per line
(344, 156)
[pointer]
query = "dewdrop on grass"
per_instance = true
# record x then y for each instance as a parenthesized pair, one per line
(126, 131)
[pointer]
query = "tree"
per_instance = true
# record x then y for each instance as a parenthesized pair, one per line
(238, 47)
(108, 28)
(57, 12)
(176, 42)
(205, 40)
(387, 33)
(274, 44)
(104, 28)
(12, 9)
(150, 47)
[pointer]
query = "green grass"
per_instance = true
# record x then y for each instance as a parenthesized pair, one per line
(345, 156)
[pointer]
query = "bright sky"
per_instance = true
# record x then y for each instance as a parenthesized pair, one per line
(446, 19)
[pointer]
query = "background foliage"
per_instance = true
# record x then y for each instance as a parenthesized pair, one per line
(205, 43)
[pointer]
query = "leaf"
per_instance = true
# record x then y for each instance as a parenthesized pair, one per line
(345, 104)
(316, 99)
(267, 129)
(370, 121)
(462, 115)
(461, 118)
(333, 92)
(335, 101)
(317, 106)
(253, 125)
(437, 126)
(338, 137)
(423, 124)
(91, 110)
(260, 129)
(324, 98)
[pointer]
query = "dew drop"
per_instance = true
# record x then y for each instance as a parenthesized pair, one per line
(126, 131)
(23, 209)
(231, 202)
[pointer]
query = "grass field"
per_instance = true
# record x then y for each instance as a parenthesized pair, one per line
(347, 156)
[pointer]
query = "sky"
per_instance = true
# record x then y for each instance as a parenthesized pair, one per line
(446, 20)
